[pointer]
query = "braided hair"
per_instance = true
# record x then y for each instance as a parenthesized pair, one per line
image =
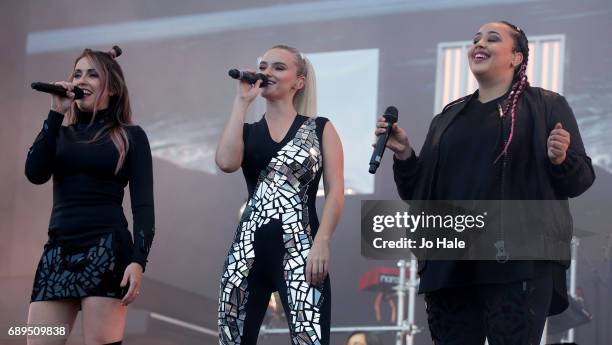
(519, 81)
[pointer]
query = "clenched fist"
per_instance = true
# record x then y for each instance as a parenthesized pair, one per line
(557, 144)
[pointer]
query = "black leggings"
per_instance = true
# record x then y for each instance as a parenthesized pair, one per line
(506, 314)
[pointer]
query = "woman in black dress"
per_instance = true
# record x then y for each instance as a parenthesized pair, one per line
(279, 244)
(506, 141)
(90, 262)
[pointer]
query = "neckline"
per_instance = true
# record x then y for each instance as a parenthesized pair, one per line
(102, 115)
(288, 135)
(493, 101)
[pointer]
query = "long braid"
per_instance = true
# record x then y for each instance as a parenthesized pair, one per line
(519, 84)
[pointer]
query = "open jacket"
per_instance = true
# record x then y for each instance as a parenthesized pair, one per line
(415, 177)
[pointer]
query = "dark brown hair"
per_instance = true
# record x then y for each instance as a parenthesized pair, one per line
(113, 84)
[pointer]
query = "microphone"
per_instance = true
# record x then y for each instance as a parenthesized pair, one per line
(57, 90)
(249, 77)
(391, 118)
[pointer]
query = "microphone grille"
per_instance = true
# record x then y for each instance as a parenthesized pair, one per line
(391, 113)
(234, 73)
(78, 93)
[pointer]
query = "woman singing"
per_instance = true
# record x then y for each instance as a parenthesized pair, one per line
(90, 262)
(506, 141)
(279, 243)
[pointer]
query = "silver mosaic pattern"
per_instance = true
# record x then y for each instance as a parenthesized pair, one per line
(281, 194)
(62, 274)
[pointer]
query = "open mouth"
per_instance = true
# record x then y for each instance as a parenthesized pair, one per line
(480, 56)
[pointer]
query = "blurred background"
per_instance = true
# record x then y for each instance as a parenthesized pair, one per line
(368, 54)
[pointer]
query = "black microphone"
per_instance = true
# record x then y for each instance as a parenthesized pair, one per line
(249, 77)
(57, 90)
(391, 118)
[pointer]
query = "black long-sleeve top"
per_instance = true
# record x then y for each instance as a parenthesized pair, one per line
(87, 194)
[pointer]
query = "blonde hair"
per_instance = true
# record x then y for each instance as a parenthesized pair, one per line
(305, 99)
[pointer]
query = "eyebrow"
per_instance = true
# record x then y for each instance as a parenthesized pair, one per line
(89, 70)
(489, 32)
(273, 64)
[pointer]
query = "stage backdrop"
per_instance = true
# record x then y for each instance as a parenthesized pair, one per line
(368, 55)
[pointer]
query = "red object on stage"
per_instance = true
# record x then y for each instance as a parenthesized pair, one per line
(380, 279)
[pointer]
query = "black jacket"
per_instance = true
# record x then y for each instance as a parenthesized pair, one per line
(415, 177)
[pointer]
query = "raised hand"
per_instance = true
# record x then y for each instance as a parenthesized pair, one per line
(557, 144)
(398, 140)
(62, 104)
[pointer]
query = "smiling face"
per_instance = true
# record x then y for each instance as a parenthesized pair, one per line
(492, 55)
(280, 66)
(88, 78)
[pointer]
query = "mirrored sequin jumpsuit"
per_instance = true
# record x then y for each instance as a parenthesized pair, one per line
(274, 237)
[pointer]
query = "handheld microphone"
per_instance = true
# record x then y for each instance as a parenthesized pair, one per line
(391, 118)
(57, 90)
(249, 77)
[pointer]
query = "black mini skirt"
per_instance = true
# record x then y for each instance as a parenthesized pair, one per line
(91, 266)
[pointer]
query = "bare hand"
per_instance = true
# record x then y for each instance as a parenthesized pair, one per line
(133, 275)
(557, 144)
(317, 263)
(62, 104)
(248, 92)
(398, 140)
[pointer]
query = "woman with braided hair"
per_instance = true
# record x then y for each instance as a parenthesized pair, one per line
(90, 262)
(506, 141)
